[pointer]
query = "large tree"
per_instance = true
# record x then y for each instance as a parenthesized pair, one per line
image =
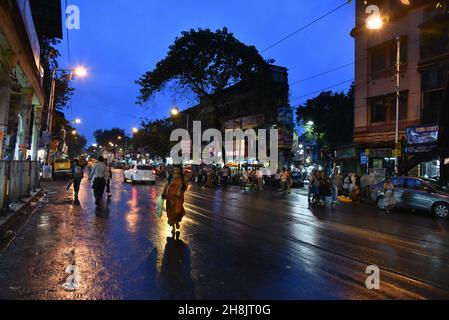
(154, 137)
(115, 136)
(206, 63)
(332, 114)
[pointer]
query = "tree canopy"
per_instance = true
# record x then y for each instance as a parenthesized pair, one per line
(205, 63)
(115, 136)
(332, 114)
(154, 137)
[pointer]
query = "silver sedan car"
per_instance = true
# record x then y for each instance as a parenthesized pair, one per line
(414, 194)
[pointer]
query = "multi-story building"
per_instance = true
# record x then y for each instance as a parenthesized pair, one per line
(241, 108)
(23, 25)
(423, 29)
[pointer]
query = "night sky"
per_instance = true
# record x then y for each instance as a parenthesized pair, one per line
(120, 40)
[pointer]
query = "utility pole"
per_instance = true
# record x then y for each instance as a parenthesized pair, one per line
(398, 96)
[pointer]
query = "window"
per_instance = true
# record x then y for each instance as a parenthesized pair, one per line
(398, 182)
(432, 105)
(415, 184)
(434, 40)
(383, 108)
(383, 57)
(378, 110)
(403, 99)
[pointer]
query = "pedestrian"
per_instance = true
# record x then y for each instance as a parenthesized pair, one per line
(316, 187)
(347, 184)
(356, 193)
(277, 180)
(336, 184)
(389, 200)
(324, 188)
(259, 177)
(108, 178)
(97, 175)
(174, 194)
(284, 181)
(76, 175)
(311, 178)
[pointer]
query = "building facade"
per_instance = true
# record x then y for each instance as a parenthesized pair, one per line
(23, 24)
(245, 109)
(423, 29)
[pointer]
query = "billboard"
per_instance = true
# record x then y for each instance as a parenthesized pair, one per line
(422, 139)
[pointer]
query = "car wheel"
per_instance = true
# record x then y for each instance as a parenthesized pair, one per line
(380, 203)
(441, 210)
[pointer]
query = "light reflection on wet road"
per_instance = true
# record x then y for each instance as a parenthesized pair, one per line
(233, 245)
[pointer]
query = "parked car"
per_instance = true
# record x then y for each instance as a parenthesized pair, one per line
(415, 194)
(140, 173)
(297, 180)
(62, 168)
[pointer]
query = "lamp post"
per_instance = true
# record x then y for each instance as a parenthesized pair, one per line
(375, 22)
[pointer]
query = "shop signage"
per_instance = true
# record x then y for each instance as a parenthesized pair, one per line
(363, 158)
(422, 139)
(345, 153)
(380, 153)
(248, 122)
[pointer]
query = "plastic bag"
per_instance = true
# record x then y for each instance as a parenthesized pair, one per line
(159, 206)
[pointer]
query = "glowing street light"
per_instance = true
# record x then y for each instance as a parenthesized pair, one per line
(74, 132)
(374, 22)
(310, 123)
(135, 130)
(119, 137)
(174, 111)
(77, 121)
(80, 72)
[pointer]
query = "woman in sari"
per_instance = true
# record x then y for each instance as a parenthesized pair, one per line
(389, 200)
(174, 194)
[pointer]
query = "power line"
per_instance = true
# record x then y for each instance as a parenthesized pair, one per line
(321, 90)
(305, 26)
(341, 83)
(323, 73)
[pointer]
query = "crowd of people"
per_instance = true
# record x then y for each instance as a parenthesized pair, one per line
(350, 186)
(253, 178)
(99, 174)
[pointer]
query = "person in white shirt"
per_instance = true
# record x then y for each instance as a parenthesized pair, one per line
(98, 175)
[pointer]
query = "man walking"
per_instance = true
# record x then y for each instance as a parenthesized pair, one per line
(98, 177)
(76, 175)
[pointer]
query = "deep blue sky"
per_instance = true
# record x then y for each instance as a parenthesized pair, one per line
(120, 40)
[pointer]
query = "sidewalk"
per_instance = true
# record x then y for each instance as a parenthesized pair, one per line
(17, 215)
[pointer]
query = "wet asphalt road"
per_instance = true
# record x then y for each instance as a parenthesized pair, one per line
(233, 245)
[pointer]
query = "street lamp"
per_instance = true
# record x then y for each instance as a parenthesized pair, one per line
(74, 132)
(77, 121)
(375, 22)
(135, 130)
(175, 112)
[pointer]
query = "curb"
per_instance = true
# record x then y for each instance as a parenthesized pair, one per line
(22, 211)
